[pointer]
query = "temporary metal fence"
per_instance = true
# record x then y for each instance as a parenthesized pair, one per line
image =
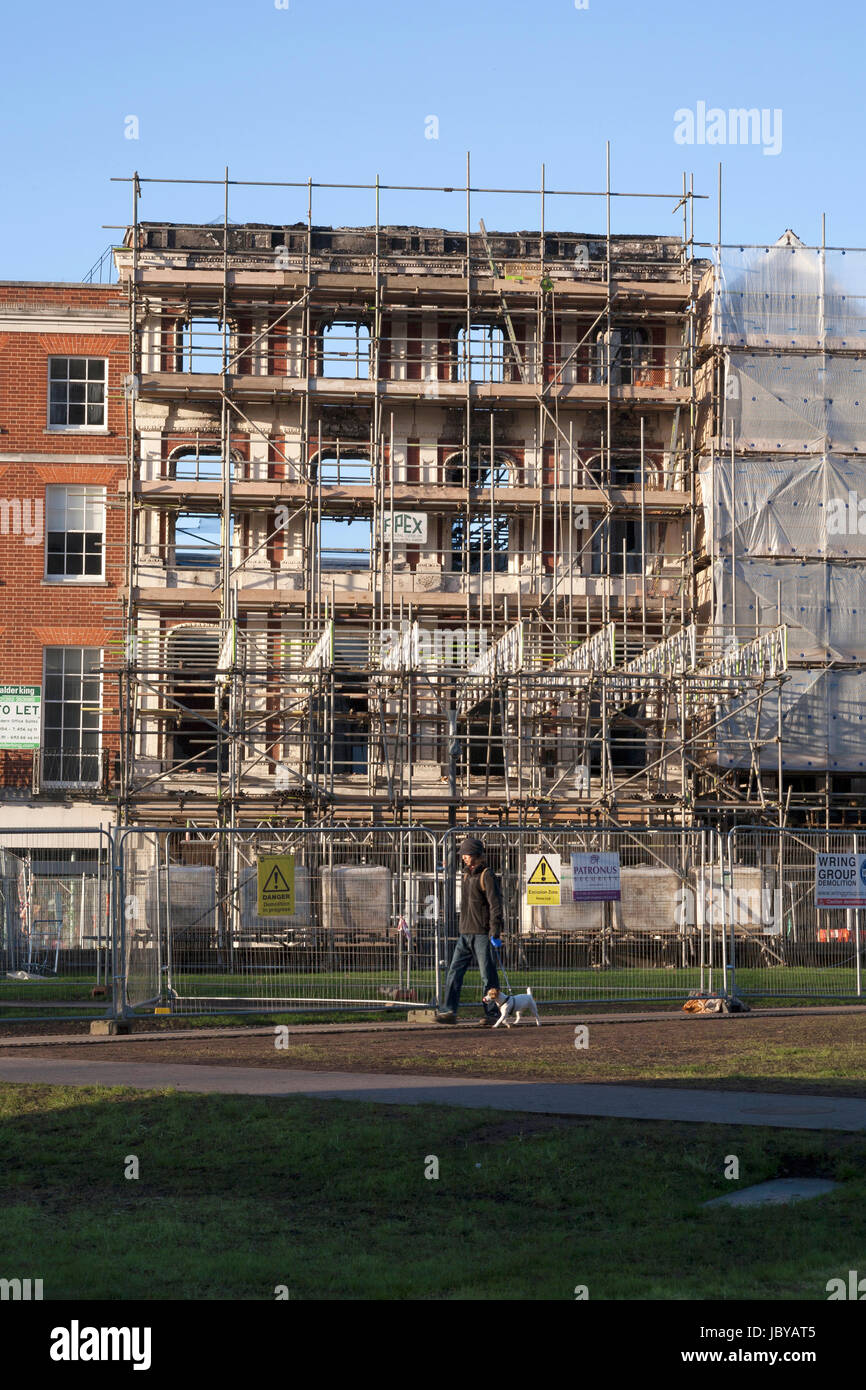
(172, 920)
(651, 944)
(55, 924)
(782, 945)
(361, 933)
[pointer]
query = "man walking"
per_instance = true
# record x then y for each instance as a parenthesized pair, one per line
(480, 918)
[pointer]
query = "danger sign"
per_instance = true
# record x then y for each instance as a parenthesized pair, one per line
(543, 877)
(276, 885)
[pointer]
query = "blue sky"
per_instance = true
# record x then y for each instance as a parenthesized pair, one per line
(343, 91)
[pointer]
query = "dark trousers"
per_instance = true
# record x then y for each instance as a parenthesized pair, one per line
(469, 948)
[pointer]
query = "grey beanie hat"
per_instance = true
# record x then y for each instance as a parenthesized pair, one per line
(473, 846)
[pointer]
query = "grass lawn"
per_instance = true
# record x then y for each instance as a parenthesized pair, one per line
(237, 1195)
(556, 985)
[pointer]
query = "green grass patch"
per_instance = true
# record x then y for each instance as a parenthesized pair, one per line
(237, 1195)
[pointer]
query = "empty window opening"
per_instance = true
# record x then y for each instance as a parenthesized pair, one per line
(345, 542)
(628, 745)
(613, 540)
(351, 734)
(345, 350)
(197, 540)
(201, 345)
(481, 353)
(485, 749)
(622, 355)
(340, 731)
(192, 658)
(471, 549)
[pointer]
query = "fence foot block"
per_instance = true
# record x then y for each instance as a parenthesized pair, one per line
(109, 1027)
(421, 1016)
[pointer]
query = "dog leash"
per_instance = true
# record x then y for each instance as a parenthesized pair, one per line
(500, 965)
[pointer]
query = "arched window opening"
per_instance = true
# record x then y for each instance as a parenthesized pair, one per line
(196, 464)
(478, 472)
(338, 469)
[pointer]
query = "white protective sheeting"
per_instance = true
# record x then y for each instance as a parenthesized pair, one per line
(823, 724)
(823, 605)
(804, 507)
(797, 402)
(790, 296)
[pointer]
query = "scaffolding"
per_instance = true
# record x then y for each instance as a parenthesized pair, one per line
(414, 528)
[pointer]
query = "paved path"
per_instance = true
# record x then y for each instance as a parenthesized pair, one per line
(563, 1098)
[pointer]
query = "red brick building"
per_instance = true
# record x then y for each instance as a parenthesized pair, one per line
(63, 356)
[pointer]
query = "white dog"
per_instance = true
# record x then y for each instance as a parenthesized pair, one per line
(512, 1005)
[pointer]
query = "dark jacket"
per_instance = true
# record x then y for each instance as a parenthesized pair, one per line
(480, 902)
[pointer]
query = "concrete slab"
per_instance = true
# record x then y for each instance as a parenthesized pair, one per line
(557, 1098)
(778, 1192)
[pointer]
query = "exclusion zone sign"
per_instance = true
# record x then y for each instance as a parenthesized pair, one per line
(543, 877)
(276, 885)
(840, 880)
(595, 878)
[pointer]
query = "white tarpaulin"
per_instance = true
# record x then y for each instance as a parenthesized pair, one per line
(786, 506)
(790, 296)
(823, 724)
(823, 605)
(799, 402)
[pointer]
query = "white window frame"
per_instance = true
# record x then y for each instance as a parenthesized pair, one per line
(86, 488)
(59, 781)
(76, 429)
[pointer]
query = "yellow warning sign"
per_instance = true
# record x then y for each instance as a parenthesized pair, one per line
(276, 885)
(543, 877)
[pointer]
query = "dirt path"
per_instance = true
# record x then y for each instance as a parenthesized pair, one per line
(815, 1055)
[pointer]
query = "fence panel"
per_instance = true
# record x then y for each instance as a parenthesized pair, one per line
(361, 933)
(655, 943)
(55, 923)
(785, 946)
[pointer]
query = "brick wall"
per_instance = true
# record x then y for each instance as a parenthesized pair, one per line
(34, 612)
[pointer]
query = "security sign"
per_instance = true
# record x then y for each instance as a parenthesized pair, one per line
(595, 878)
(543, 877)
(276, 885)
(840, 880)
